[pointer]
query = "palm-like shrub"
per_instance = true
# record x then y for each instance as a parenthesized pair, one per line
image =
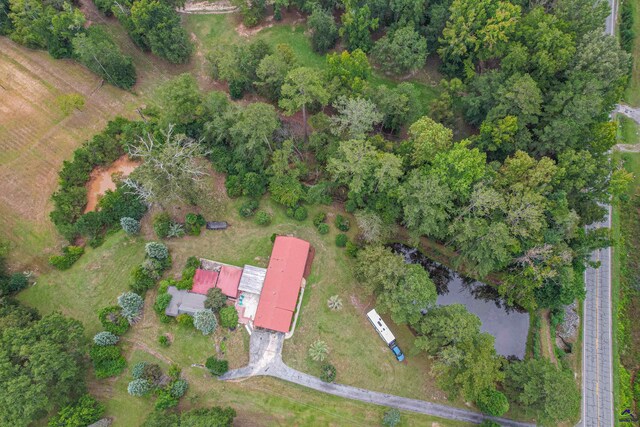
(130, 226)
(391, 418)
(205, 321)
(335, 302)
(318, 351)
(156, 250)
(105, 338)
(328, 374)
(139, 387)
(176, 230)
(131, 304)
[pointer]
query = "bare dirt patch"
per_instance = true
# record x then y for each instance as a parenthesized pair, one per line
(103, 179)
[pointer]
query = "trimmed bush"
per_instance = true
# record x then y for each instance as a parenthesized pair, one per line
(15, 283)
(263, 218)
(193, 224)
(328, 374)
(70, 254)
(139, 387)
(342, 223)
(156, 250)
(141, 280)
(323, 228)
(248, 208)
(137, 371)
(161, 224)
(492, 402)
(300, 214)
(341, 240)
(229, 317)
(131, 304)
(205, 321)
(391, 418)
(105, 338)
(216, 366)
(163, 340)
(319, 218)
(130, 226)
(162, 302)
(107, 361)
(113, 321)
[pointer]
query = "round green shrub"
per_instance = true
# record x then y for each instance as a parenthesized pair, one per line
(130, 226)
(165, 400)
(16, 283)
(300, 213)
(342, 223)
(350, 206)
(156, 250)
(162, 224)
(328, 374)
(248, 208)
(105, 338)
(162, 302)
(216, 366)
(319, 218)
(341, 240)
(290, 212)
(233, 186)
(492, 402)
(263, 218)
(163, 340)
(323, 228)
(229, 317)
(184, 319)
(193, 224)
(391, 418)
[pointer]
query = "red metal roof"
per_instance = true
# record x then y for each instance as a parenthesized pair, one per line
(229, 280)
(282, 283)
(203, 281)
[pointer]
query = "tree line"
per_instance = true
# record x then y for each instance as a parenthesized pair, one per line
(59, 27)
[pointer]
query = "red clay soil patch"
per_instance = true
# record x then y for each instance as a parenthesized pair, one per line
(102, 179)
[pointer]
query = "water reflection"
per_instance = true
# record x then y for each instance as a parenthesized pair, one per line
(508, 324)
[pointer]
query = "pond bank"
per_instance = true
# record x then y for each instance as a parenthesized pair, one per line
(102, 180)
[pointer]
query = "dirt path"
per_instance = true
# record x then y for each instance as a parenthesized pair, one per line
(548, 350)
(208, 8)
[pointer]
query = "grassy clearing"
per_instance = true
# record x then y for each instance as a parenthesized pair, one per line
(212, 30)
(97, 279)
(625, 299)
(632, 95)
(629, 130)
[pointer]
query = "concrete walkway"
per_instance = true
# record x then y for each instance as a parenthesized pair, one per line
(265, 358)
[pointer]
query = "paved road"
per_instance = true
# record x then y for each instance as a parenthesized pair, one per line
(265, 358)
(597, 379)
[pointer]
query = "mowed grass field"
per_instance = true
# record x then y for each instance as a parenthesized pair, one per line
(361, 357)
(632, 95)
(36, 136)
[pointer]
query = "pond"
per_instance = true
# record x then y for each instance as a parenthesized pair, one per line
(102, 180)
(509, 325)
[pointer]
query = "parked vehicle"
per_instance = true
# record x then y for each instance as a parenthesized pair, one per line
(386, 335)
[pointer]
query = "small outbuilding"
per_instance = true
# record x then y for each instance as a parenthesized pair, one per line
(184, 302)
(217, 225)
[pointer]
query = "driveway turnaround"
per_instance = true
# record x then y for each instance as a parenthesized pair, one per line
(265, 358)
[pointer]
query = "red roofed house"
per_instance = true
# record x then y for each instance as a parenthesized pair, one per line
(228, 280)
(289, 265)
(203, 281)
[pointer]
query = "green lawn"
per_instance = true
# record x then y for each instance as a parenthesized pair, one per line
(629, 130)
(361, 357)
(632, 95)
